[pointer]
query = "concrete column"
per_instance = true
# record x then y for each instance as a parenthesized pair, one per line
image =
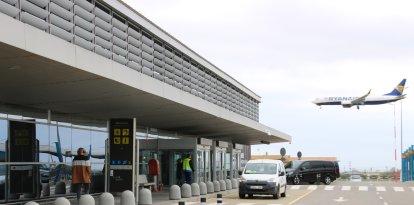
(106, 199)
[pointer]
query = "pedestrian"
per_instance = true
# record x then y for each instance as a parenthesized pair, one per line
(179, 171)
(188, 168)
(81, 172)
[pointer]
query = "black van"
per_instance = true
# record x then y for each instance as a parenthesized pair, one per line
(308, 171)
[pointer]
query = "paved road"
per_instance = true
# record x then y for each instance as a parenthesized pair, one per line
(338, 193)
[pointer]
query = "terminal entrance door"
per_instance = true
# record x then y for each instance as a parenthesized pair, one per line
(219, 164)
(236, 166)
(203, 164)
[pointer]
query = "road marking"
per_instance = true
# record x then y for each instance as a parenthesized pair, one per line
(313, 187)
(398, 189)
(412, 188)
(329, 188)
(385, 203)
(295, 187)
(346, 188)
(340, 199)
(380, 197)
(301, 197)
(245, 203)
(381, 188)
(363, 188)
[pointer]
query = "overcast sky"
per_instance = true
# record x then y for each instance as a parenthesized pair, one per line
(290, 52)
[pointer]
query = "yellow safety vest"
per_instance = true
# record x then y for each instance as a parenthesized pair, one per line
(186, 164)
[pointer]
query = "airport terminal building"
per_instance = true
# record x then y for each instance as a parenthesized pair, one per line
(70, 68)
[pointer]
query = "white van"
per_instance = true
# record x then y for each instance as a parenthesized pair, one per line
(264, 177)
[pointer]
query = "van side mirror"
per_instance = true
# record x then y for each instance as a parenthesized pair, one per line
(281, 174)
(302, 168)
(240, 172)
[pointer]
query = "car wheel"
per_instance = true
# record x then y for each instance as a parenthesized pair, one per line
(284, 193)
(296, 180)
(250, 195)
(277, 195)
(242, 196)
(327, 180)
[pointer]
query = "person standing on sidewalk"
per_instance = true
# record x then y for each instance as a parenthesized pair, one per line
(188, 169)
(81, 172)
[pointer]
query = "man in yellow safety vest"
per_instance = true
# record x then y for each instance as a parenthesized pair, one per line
(188, 168)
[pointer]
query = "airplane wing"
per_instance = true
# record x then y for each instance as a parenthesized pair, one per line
(361, 99)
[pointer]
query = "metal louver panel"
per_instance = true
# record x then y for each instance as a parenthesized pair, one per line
(178, 72)
(169, 81)
(158, 47)
(83, 33)
(102, 42)
(9, 9)
(119, 59)
(147, 63)
(134, 66)
(64, 4)
(119, 51)
(120, 34)
(158, 69)
(169, 61)
(158, 55)
(158, 76)
(83, 23)
(33, 20)
(169, 53)
(11, 2)
(61, 33)
(59, 11)
(134, 50)
(169, 74)
(102, 14)
(134, 58)
(147, 56)
(40, 3)
(134, 33)
(60, 22)
(119, 42)
(158, 62)
(102, 51)
(178, 59)
(147, 71)
(178, 85)
(134, 41)
(83, 43)
(103, 25)
(33, 9)
(103, 34)
(170, 68)
(147, 48)
(147, 41)
(84, 4)
(79, 11)
(186, 70)
(119, 24)
(186, 64)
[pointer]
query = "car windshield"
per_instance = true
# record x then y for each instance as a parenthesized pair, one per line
(260, 168)
(293, 164)
(355, 177)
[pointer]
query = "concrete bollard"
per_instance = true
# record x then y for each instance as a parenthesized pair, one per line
(86, 199)
(61, 201)
(222, 185)
(228, 184)
(210, 187)
(46, 189)
(234, 183)
(216, 186)
(145, 197)
(195, 189)
(203, 201)
(175, 192)
(185, 191)
(106, 199)
(219, 199)
(31, 203)
(203, 188)
(60, 188)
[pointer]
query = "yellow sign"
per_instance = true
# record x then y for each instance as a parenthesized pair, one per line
(117, 132)
(117, 140)
(125, 132)
(125, 140)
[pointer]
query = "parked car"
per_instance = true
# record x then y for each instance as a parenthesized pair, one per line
(311, 171)
(263, 177)
(355, 178)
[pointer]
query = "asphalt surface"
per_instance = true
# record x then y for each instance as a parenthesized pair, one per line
(338, 193)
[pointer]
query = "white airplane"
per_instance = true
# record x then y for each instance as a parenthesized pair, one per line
(347, 102)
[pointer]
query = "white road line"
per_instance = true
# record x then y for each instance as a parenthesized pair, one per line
(385, 203)
(274, 204)
(295, 187)
(381, 188)
(380, 197)
(398, 189)
(192, 202)
(245, 203)
(313, 187)
(329, 188)
(363, 188)
(412, 188)
(346, 188)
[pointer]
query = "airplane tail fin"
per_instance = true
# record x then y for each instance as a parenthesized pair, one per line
(398, 90)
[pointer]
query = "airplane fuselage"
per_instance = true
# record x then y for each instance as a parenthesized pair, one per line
(368, 101)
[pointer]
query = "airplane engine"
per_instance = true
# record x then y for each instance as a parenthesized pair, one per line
(346, 104)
